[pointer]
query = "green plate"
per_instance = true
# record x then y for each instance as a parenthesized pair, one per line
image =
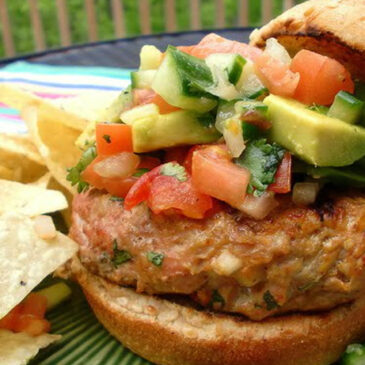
(84, 339)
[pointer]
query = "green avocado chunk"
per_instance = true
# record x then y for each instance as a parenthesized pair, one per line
(313, 137)
(173, 129)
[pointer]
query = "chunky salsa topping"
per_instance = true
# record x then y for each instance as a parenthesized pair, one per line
(223, 120)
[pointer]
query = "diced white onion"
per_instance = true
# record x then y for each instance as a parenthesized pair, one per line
(277, 51)
(121, 165)
(233, 136)
(44, 227)
(305, 193)
(226, 263)
(259, 207)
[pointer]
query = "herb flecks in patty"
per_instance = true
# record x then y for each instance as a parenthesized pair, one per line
(155, 258)
(116, 199)
(216, 300)
(270, 301)
(119, 256)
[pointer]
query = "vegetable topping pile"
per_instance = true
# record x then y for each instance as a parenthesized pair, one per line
(222, 121)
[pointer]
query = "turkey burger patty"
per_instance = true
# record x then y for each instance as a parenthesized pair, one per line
(296, 259)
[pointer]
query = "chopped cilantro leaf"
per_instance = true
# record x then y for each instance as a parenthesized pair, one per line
(74, 173)
(107, 138)
(116, 199)
(155, 257)
(120, 256)
(175, 170)
(216, 298)
(270, 301)
(140, 172)
(262, 160)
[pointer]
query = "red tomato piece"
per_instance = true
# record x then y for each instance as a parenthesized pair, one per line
(149, 162)
(147, 96)
(139, 192)
(31, 325)
(177, 154)
(213, 43)
(282, 184)
(215, 175)
(115, 186)
(221, 150)
(276, 76)
(321, 78)
(35, 304)
(112, 138)
(167, 192)
(8, 322)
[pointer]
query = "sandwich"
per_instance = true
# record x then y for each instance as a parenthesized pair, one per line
(221, 211)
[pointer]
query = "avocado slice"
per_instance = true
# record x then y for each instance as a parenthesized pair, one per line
(315, 138)
(173, 129)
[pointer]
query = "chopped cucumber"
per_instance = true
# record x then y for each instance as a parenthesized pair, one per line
(346, 108)
(150, 58)
(146, 111)
(56, 294)
(251, 110)
(142, 79)
(354, 355)
(173, 129)
(226, 70)
(249, 85)
(182, 80)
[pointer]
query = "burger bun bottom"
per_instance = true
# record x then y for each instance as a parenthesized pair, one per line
(168, 333)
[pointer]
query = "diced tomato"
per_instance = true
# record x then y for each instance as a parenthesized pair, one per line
(139, 192)
(112, 138)
(115, 186)
(31, 325)
(147, 96)
(28, 316)
(282, 184)
(8, 322)
(167, 192)
(35, 304)
(213, 43)
(177, 154)
(321, 78)
(214, 174)
(221, 149)
(276, 76)
(149, 162)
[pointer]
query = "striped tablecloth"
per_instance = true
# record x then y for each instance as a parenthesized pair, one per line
(60, 84)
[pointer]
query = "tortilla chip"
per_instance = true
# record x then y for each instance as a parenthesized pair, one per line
(66, 213)
(20, 99)
(19, 348)
(43, 181)
(19, 159)
(55, 142)
(29, 200)
(26, 259)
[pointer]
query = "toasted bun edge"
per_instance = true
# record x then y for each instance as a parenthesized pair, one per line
(167, 333)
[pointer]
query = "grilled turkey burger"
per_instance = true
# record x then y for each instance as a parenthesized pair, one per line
(221, 213)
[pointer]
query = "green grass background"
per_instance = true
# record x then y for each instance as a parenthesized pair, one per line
(23, 36)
